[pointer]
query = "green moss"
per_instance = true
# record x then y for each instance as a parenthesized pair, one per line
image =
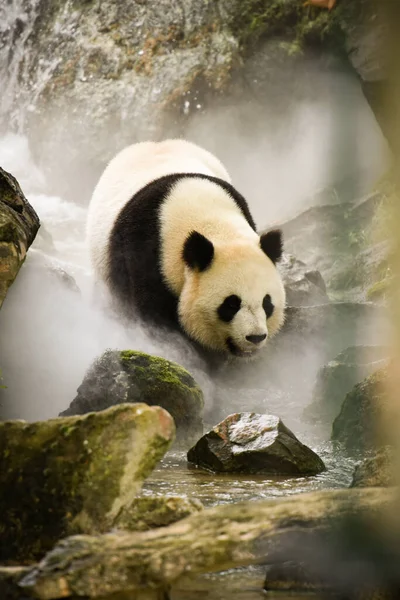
(309, 26)
(74, 474)
(157, 372)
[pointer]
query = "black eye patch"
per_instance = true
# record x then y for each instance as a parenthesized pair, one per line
(268, 306)
(228, 309)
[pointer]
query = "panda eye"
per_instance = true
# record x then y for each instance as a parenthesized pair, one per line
(268, 306)
(228, 309)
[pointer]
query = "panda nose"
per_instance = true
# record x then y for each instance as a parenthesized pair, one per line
(256, 339)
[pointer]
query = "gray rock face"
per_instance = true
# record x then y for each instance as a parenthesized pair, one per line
(91, 77)
(252, 443)
(304, 286)
(359, 424)
(376, 471)
(109, 71)
(128, 376)
(339, 376)
(335, 240)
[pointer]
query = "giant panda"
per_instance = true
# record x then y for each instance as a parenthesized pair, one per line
(176, 245)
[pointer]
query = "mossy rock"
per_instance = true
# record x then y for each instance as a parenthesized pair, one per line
(359, 424)
(131, 376)
(149, 512)
(75, 474)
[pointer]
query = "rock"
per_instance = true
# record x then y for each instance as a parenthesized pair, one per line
(333, 326)
(336, 240)
(130, 376)
(64, 67)
(304, 287)
(359, 424)
(339, 376)
(19, 225)
(149, 512)
(376, 471)
(216, 539)
(74, 474)
(252, 443)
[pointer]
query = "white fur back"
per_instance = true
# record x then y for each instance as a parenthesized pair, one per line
(131, 170)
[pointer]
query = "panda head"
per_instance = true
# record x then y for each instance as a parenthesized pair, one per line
(233, 297)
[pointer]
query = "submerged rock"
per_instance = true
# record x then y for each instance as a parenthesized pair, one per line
(359, 424)
(253, 443)
(303, 286)
(130, 376)
(376, 471)
(149, 512)
(339, 376)
(19, 225)
(74, 474)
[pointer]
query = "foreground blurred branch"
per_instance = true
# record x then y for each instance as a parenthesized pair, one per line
(216, 539)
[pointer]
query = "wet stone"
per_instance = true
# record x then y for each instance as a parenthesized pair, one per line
(254, 443)
(129, 376)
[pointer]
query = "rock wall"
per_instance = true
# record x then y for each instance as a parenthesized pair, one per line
(85, 78)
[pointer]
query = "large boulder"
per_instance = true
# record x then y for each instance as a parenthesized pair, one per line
(129, 376)
(339, 376)
(358, 426)
(19, 225)
(74, 474)
(251, 443)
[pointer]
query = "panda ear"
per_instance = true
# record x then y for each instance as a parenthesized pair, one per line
(272, 244)
(198, 251)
